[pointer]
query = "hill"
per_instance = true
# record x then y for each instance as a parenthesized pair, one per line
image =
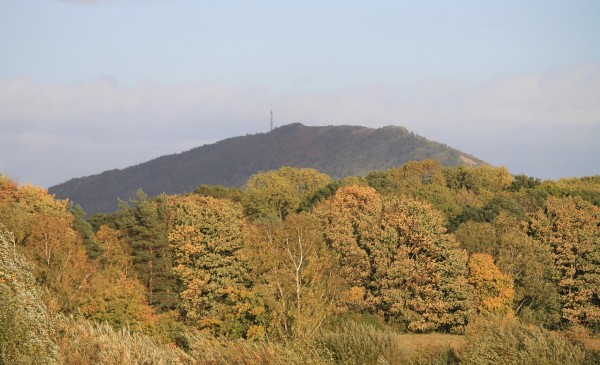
(338, 151)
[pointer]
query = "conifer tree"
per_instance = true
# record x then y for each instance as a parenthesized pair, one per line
(144, 225)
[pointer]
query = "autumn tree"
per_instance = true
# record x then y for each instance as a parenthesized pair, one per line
(423, 180)
(295, 270)
(43, 231)
(272, 195)
(206, 235)
(220, 192)
(116, 296)
(571, 228)
(351, 225)
(427, 172)
(528, 262)
(397, 260)
(480, 179)
(422, 271)
(493, 289)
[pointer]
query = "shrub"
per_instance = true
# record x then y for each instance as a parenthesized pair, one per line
(505, 340)
(25, 324)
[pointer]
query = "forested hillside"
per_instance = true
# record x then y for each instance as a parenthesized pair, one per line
(338, 151)
(413, 264)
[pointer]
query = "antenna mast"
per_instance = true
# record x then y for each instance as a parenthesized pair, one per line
(271, 117)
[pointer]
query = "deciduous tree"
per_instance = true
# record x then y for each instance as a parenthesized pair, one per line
(206, 234)
(493, 289)
(272, 195)
(571, 227)
(295, 271)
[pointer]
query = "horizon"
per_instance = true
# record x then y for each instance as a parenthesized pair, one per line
(88, 86)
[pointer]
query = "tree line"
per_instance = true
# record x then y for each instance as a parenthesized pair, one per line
(420, 247)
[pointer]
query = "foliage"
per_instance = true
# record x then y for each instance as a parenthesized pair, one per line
(527, 261)
(351, 226)
(44, 234)
(523, 181)
(25, 322)
(480, 179)
(143, 223)
(424, 272)
(323, 275)
(494, 289)
(115, 296)
(206, 235)
(295, 271)
(220, 192)
(571, 228)
(397, 260)
(85, 231)
(505, 340)
(273, 195)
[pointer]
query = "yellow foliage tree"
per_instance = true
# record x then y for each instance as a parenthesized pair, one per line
(116, 297)
(206, 235)
(351, 221)
(493, 288)
(571, 228)
(272, 195)
(295, 271)
(43, 232)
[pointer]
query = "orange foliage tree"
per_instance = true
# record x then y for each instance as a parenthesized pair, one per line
(398, 260)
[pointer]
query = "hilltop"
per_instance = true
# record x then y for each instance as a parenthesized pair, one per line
(338, 151)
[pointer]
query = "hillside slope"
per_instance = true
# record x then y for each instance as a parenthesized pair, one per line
(338, 151)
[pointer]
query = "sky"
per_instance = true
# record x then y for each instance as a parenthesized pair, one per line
(93, 85)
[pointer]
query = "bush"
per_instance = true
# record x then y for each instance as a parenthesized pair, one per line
(507, 341)
(25, 324)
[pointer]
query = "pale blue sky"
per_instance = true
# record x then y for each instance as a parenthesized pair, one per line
(92, 85)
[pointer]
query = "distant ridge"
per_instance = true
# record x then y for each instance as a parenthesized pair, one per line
(338, 151)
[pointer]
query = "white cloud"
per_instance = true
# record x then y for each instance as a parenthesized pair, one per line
(53, 132)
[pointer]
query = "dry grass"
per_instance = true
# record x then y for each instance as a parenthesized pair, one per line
(354, 343)
(508, 341)
(82, 342)
(589, 342)
(211, 351)
(432, 347)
